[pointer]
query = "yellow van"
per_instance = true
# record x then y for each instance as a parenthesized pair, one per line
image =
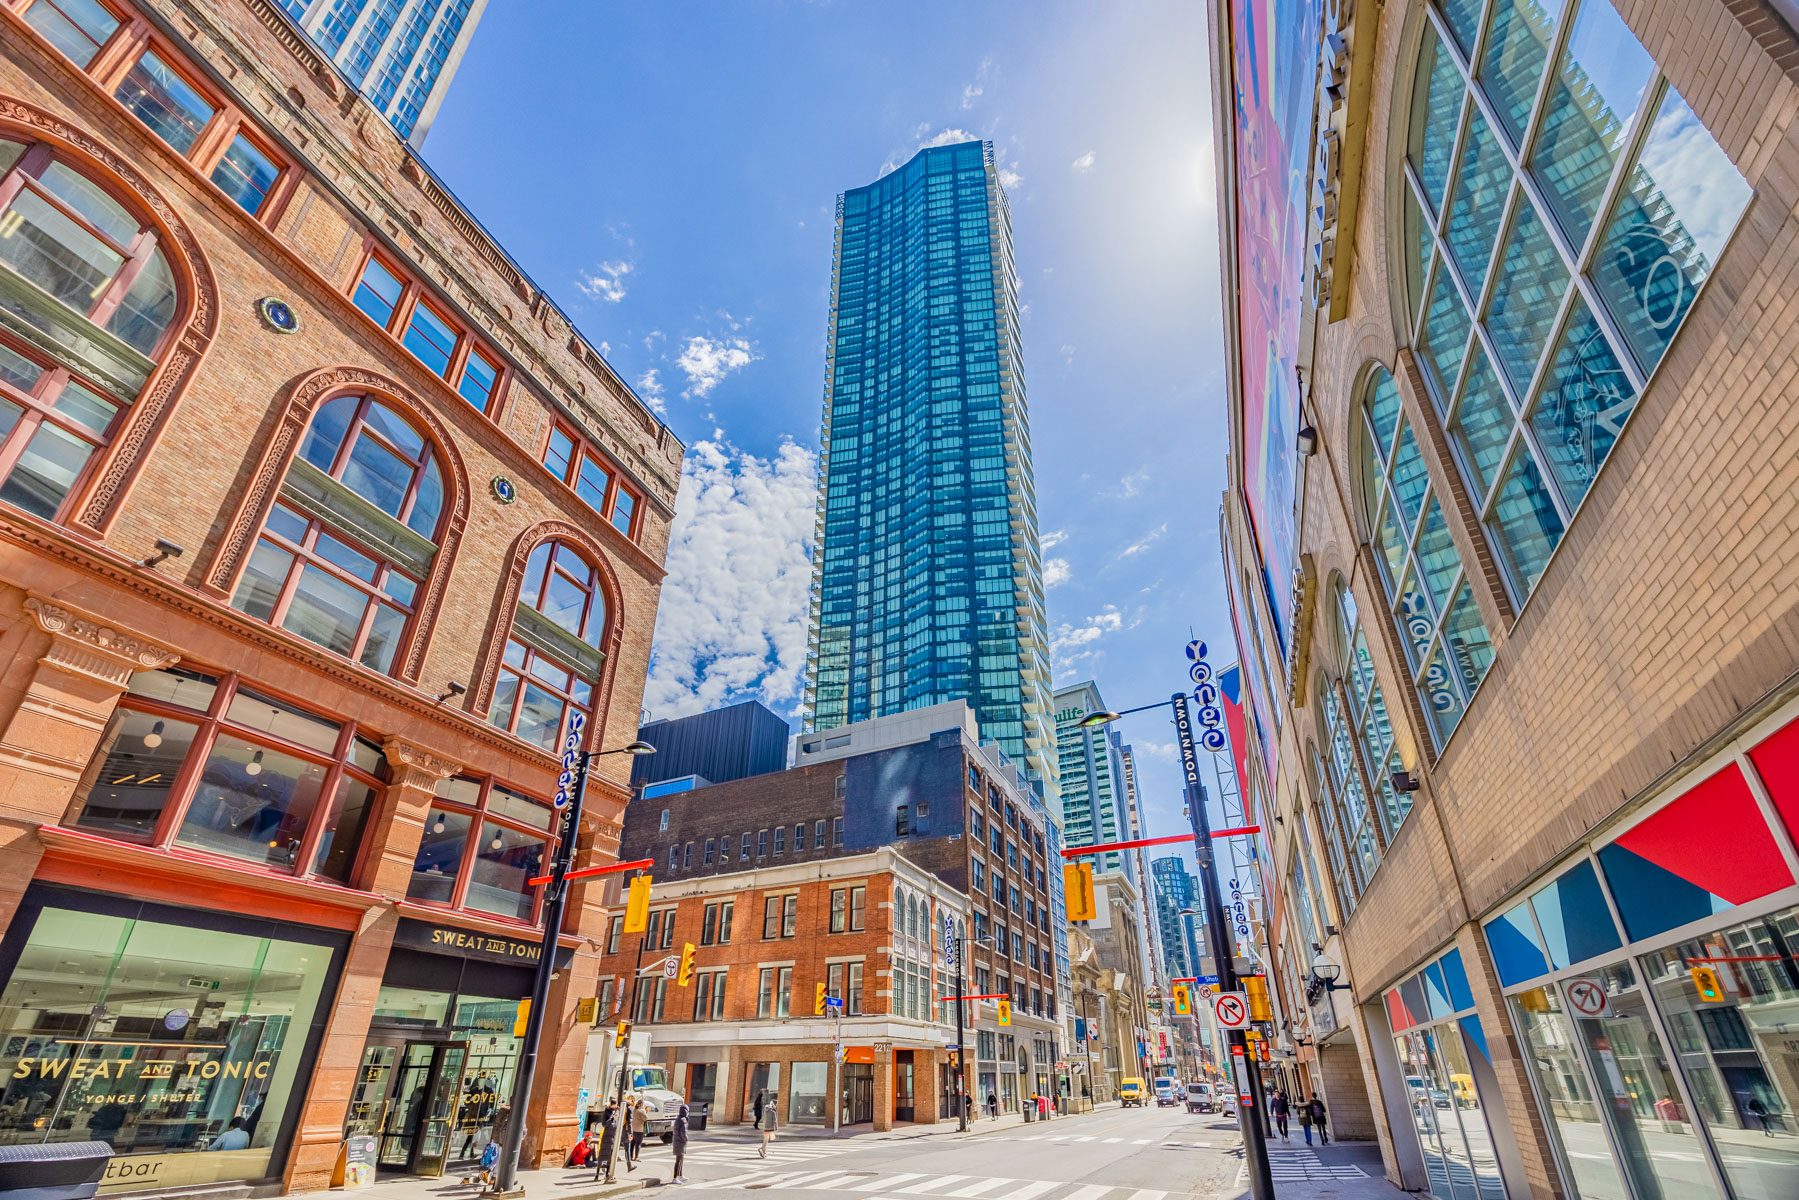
(1130, 1092)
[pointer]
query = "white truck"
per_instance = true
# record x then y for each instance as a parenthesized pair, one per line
(644, 1080)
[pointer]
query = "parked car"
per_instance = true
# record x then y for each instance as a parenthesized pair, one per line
(1199, 1098)
(1130, 1093)
(1168, 1091)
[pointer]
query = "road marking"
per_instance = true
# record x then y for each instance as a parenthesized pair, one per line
(1083, 1139)
(1091, 1191)
(1146, 1194)
(1027, 1190)
(809, 1180)
(1140, 1141)
(975, 1189)
(758, 1179)
(883, 1185)
(1112, 1139)
(840, 1181)
(931, 1185)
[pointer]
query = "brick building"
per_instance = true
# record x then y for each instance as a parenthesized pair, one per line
(924, 819)
(1510, 543)
(316, 519)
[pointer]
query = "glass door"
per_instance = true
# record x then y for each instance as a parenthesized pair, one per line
(432, 1146)
(407, 1106)
(370, 1095)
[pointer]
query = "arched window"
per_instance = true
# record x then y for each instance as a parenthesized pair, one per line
(1447, 645)
(85, 297)
(352, 535)
(553, 657)
(1342, 871)
(1539, 309)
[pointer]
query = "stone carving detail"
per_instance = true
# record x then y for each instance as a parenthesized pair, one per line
(406, 755)
(84, 643)
(145, 419)
(259, 497)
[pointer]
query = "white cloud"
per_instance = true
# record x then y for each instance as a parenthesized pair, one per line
(1145, 542)
(607, 283)
(947, 137)
(1068, 637)
(971, 93)
(977, 89)
(732, 620)
(1056, 572)
(1083, 164)
(1054, 538)
(1068, 354)
(1009, 179)
(1160, 751)
(1133, 483)
(705, 361)
(649, 390)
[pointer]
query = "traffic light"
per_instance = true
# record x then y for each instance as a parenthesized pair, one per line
(1077, 888)
(685, 976)
(1183, 1001)
(1005, 1012)
(623, 1035)
(1257, 988)
(637, 905)
(524, 1015)
(818, 1001)
(1705, 979)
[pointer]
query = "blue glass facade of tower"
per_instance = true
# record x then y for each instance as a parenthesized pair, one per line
(1176, 889)
(927, 579)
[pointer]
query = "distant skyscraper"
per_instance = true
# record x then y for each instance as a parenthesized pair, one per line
(927, 582)
(398, 53)
(1176, 889)
(1091, 761)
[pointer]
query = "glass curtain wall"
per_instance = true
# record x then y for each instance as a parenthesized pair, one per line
(1654, 982)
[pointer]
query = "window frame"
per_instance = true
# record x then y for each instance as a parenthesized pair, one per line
(481, 814)
(581, 451)
(414, 293)
(597, 601)
(38, 407)
(209, 725)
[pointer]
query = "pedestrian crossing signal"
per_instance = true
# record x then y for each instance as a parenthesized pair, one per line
(1005, 1012)
(685, 975)
(1077, 888)
(637, 905)
(818, 1001)
(1710, 987)
(1183, 1001)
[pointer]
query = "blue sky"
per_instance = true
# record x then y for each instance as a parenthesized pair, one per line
(669, 173)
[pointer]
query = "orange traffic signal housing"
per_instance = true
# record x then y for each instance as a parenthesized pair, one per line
(1077, 887)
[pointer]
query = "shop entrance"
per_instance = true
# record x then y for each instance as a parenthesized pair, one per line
(417, 1085)
(858, 1093)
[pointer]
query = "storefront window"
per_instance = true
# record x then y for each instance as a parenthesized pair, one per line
(1563, 1094)
(181, 1045)
(1734, 1044)
(489, 873)
(204, 762)
(807, 1105)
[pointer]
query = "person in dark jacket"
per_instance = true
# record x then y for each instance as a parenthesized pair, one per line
(1277, 1106)
(679, 1144)
(608, 1139)
(1318, 1119)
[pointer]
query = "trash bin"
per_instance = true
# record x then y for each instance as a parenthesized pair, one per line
(1030, 1111)
(696, 1117)
(56, 1171)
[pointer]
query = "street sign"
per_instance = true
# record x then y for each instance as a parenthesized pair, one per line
(571, 758)
(1587, 998)
(669, 966)
(833, 1001)
(949, 939)
(1232, 1010)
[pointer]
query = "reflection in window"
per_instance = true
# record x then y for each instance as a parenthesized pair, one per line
(553, 658)
(78, 28)
(1533, 426)
(1423, 572)
(1572, 1117)
(157, 95)
(72, 241)
(343, 553)
(245, 173)
(207, 763)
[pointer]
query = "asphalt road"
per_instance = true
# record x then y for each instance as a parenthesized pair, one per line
(1112, 1154)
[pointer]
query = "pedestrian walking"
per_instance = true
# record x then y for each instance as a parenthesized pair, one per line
(766, 1120)
(679, 1144)
(640, 1126)
(1305, 1119)
(992, 1104)
(1319, 1116)
(1277, 1105)
(608, 1140)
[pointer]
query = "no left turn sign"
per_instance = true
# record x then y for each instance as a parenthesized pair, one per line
(1587, 998)
(1232, 1010)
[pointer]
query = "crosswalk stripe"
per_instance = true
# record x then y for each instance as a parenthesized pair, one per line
(808, 1180)
(1114, 1139)
(837, 1180)
(1140, 1141)
(1083, 1138)
(887, 1185)
(931, 1185)
(1146, 1194)
(754, 1177)
(975, 1189)
(1091, 1191)
(1027, 1190)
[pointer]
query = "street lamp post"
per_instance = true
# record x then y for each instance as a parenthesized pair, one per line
(573, 784)
(1255, 1145)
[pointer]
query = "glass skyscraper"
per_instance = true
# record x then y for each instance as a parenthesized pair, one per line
(400, 54)
(1176, 889)
(927, 580)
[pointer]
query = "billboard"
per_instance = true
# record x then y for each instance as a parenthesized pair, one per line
(1273, 62)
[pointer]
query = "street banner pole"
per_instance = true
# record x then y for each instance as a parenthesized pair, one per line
(1255, 1145)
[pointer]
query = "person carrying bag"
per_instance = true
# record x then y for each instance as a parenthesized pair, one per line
(679, 1144)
